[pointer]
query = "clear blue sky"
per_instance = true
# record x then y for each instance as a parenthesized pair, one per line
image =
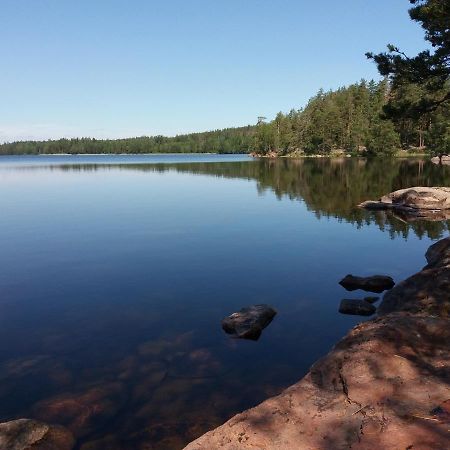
(117, 68)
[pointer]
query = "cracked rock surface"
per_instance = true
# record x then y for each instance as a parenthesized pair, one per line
(386, 385)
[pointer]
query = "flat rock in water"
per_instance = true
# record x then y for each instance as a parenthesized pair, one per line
(356, 307)
(249, 322)
(375, 283)
(413, 200)
(26, 434)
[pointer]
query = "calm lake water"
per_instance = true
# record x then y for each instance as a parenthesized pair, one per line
(115, 272)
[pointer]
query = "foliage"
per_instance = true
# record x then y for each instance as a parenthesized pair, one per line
(420, 92)
(347, 120)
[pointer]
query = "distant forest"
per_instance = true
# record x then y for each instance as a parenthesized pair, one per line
(348, 119)
(229, 140)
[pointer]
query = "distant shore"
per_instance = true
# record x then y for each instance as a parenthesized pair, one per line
(270, 155)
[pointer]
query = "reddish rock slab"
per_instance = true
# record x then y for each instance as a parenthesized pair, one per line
(376, 390)
(386, 385)
(27, 434)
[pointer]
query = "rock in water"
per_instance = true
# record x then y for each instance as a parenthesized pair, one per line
(416, 201)
(371, 299)
(249, 322)
(26, 434)
(356, 307)
(375, 283)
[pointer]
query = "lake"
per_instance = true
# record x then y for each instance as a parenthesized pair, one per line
(116, 271)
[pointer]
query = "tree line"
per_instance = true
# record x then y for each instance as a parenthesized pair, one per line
(348, 120)
(229, 140)
(409, 109)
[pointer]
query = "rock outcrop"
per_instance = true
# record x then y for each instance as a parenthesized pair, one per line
(27, 434)
(375, 283)
(416, 201)
(386, 385)
(428, 291)
(249, 322)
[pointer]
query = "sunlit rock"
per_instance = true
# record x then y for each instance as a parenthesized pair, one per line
(445, 160)
(425, 202)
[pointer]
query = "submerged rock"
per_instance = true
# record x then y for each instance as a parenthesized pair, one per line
(419, 201)
(82, 412)
(26, 434)
(249, 322)
(375, 283)
(356, 307)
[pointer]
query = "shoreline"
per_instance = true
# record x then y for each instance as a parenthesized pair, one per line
(250, 155)
(386, 384)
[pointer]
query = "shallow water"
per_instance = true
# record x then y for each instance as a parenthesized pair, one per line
(115, 272)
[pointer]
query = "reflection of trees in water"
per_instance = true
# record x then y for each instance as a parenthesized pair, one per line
(328, 187)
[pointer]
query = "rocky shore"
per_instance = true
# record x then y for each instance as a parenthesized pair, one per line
(386, 385)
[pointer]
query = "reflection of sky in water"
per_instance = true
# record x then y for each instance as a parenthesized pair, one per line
(113, 284)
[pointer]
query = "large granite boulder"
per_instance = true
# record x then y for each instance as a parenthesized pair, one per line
(249, 322)
(375, 283)
(416, 200)
(27, 434)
